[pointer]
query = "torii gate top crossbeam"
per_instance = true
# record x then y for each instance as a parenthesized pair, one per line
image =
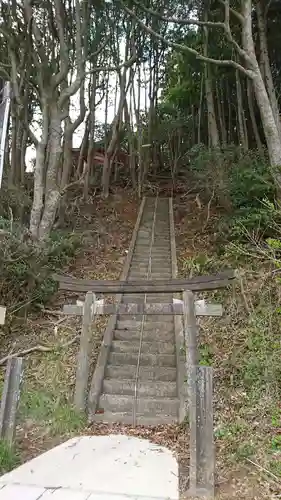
(198, 283)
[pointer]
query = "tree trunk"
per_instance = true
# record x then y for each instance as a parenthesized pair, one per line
(253, 116)
(267, 116)
(91, 147)
(270, 128)
(200, 109)
(39, 172)
(17, 143)
(130, 133)
(52, 190)
(83, 149)
(38, 192)
(212, 122)
(265, 65)
(115, 136)
(44, 211)
(240, 113)
(220, 115)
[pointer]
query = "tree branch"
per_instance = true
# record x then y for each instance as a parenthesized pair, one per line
(238, 16)
(64, 65)
(126, 64)
(40, 348)
(225, 26)
(80, 60)
(228, 32)
(176, 20)
(185, 48)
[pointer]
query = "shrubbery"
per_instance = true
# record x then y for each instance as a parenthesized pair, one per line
(26, 269)
(242, 184)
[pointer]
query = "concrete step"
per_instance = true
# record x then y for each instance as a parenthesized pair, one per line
(155, 299)
(143, 389)
(130, 358)
(143, 266)
(145, 406)
(134, 299)
(155, 319)
(161, 373)
(137, 274)
(144, 246)
(149, 336)
(156, 326)
(146, 347)
(141, 261)
(127, 418)
(143, 257)
(159, 252)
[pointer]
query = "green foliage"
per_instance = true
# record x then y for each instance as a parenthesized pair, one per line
(15, 203)
(201, 264)
(276, 418)
(275, 467)
(47, 409)
(276, 443)
(206, 355)
(250, 181)
(9, 459)
(242, 184)
(26, 268)
(244, 450)
(258, 366)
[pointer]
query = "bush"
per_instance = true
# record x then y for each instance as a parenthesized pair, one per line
(9, 458)
(15, 203)
(26, 269)
(242, 184)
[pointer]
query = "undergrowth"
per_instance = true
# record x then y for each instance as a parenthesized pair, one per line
(9, 458)
(244, 347)
(26, 269)
(242, 184)
(48, 410)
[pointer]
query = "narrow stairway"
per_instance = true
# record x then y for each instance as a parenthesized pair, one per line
(140, 380)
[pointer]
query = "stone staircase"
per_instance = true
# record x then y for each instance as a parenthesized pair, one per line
(140, 378)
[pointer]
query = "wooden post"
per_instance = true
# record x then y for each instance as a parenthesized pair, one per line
(202, 455)
(2, 315)
(10, 399)
(82, 373)
(190, 328)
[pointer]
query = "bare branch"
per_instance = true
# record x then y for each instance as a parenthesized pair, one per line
(238, 16)
(126, 64)
(64, 65)
(229, 35)
(37, 348)
(100, 49)
(185, 48)
(177, 20)
(80, 60)
(28, 14)
(225, 26)
(78, 181)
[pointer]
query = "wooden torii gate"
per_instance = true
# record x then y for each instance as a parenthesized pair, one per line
(200, 378)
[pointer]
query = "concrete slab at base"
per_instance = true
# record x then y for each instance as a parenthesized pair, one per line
(96, 468)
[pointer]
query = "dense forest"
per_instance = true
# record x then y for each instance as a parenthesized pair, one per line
(174, 97)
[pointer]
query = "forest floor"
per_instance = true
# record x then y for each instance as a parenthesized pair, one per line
(247, 411)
